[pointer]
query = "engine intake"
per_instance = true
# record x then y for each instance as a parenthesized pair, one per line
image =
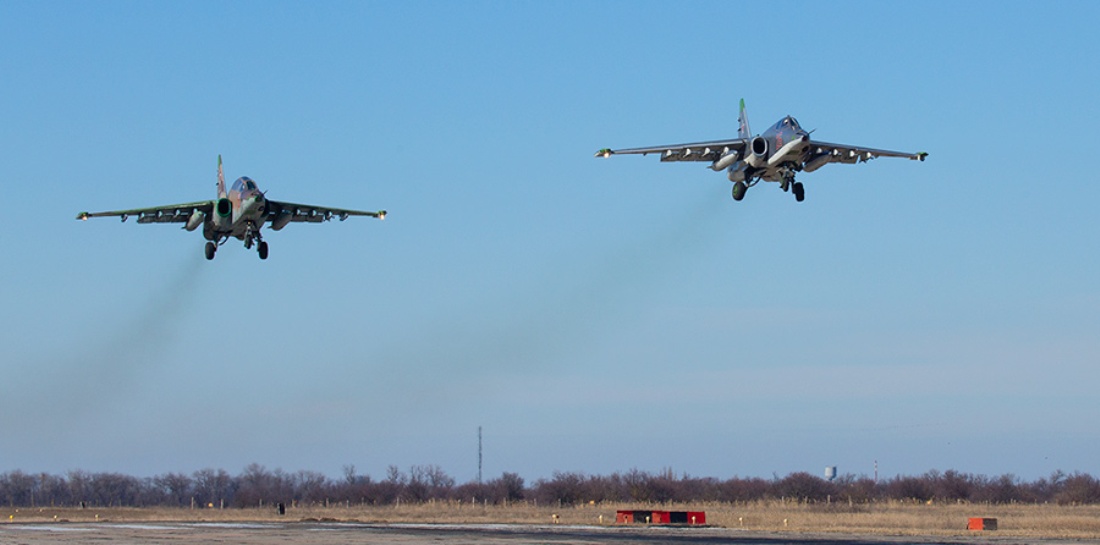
(759, 146)
(224, 207)
(759, 152)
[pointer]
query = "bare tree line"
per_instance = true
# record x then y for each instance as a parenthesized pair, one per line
(256, 486)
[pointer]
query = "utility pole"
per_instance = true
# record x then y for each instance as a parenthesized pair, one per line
(479, 455)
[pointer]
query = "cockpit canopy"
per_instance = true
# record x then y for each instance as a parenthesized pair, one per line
(788, 123)
(244, 183)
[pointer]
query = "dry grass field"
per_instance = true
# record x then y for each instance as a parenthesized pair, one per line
(880, 519)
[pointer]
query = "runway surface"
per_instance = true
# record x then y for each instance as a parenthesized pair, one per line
(321, 533)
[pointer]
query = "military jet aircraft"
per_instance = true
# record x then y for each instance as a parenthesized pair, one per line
(239, 213)
(774, 156)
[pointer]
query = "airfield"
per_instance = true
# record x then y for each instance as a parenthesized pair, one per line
(328, 533)
(770, 523)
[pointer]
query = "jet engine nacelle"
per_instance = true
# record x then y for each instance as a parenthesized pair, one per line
(196, 219)
(223, 212)
(281, 220)
(724, 162)
(758, 152)
(224, 207)
(816, 162)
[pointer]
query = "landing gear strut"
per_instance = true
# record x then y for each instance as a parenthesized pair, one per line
(787, 182)
(261, 246)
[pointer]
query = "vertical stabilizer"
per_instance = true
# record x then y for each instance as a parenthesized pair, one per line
(743, 130)
(221, 178)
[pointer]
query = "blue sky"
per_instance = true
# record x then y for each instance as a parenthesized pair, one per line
(591, 315)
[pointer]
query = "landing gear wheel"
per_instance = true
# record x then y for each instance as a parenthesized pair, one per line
(211, 248)
(262, 249)
(739, 189)
(799, 191)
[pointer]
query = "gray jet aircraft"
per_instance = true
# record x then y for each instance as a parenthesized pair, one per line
(774, 156)
(238, 213)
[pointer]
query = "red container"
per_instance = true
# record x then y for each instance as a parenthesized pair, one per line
(979, 523)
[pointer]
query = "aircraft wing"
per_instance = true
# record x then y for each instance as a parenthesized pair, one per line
(172, 213)
(842, 153)
(698, 151)
(281, 213)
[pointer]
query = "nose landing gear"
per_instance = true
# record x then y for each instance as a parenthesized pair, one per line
(254, 234)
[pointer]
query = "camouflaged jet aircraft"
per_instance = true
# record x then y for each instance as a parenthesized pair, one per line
(774, 156)
(239, 213)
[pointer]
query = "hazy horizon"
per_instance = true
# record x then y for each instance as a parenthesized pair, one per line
(592, 315)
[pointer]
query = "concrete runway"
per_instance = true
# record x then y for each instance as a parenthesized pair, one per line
(321, 533)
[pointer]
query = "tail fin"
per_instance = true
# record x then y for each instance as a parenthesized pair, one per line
(743, 130)
(221, 179)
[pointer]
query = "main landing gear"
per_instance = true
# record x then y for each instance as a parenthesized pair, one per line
(788, 184)
(739, 189)
(249, 238)
(261, 248)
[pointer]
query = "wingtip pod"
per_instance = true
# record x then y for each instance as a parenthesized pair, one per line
(921, 155)
(83, 216)
(605, 153)
(382, 214)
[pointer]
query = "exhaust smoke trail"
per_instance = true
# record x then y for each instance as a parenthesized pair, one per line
(557, 316)
(87, 377)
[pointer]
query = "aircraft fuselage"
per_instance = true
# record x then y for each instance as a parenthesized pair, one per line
(775, 154)
(247, 209)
